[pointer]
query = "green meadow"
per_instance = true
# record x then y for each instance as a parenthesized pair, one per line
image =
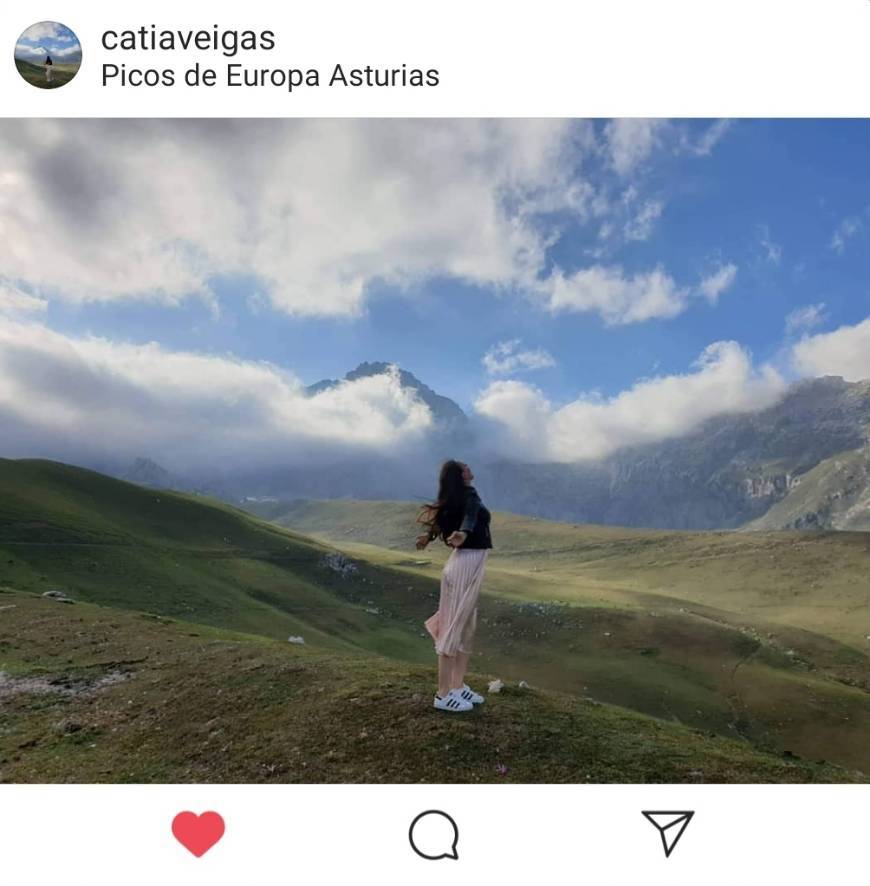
(35, 74)
(650, 656)
(762, 636)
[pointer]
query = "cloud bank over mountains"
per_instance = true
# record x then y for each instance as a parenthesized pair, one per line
(722, 380)
(97, 399)
(62, 396)
(844, 352)
(318, 214)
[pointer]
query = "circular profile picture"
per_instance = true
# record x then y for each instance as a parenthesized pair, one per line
(48, 55)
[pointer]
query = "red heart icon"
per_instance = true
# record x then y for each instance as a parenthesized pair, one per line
(198, 833)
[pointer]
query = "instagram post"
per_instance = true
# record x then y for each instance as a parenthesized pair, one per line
(303, 483)
(422, 455)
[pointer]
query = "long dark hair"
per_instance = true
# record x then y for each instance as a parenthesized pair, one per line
(450, 500)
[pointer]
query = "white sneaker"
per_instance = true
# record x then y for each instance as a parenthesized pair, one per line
(452, 702)
(470, 695)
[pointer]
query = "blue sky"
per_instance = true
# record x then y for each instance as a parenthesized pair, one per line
(790, 183)
(316, 245)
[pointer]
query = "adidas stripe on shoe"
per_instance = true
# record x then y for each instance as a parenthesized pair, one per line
(453, 702)
(470, 695)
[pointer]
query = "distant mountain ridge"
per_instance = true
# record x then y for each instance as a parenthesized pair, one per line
(146, 472)
(764, 469)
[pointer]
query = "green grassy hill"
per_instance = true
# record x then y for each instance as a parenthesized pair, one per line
(35, 74)
(761, 635)
(810, 580)
(118, 544)
(676, 637)
(92, 694)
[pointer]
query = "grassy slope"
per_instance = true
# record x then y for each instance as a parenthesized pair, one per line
(115, 543)
(611, 635)
(762, 635)
(811, 581)
(204, 705)
(35, 74)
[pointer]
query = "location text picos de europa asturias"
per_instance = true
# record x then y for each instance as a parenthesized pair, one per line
(230, 45)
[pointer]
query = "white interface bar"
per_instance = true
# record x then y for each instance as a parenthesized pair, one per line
(603, 834)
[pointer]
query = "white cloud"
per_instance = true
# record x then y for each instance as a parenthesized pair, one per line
(506, 357)
(704, 144)
(630, 141)
(844, 352)
(40, 52)
(15, 300)
(847, 229)
(66, 52)
(772, 251)
(620, 298)
(805, 318)
(521, 416)
(715, 284)
(629, 146)
(24, 51)
(89, 397)
(616, 297)
(524, 424)
(641, 226)
(315, 210)
(45, 31)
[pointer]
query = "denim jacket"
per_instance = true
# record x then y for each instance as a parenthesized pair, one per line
(474, 520)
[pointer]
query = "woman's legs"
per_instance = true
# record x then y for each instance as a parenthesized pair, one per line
(445, 674)
(451, 671)
(460, 666)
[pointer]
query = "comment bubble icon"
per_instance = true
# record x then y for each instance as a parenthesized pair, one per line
(434, 835)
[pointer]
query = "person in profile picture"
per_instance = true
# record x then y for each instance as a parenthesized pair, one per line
(459, 517)
(48, 55)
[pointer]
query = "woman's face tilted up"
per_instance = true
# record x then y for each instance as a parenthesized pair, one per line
(467, 476)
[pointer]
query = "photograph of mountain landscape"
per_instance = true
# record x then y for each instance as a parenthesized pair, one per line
(233, 364)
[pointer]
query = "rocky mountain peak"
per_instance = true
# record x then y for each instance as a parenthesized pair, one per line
(445, 410)
(147, 472)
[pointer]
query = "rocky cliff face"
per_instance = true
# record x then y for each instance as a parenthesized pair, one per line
(728, 472)
(835, 494)
(774, 486)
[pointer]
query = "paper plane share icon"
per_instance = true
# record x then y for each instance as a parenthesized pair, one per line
(670, 826)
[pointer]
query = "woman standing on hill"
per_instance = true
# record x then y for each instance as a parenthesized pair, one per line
(458, 517)
(48, 66)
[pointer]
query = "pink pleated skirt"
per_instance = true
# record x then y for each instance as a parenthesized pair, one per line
(452, 626)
